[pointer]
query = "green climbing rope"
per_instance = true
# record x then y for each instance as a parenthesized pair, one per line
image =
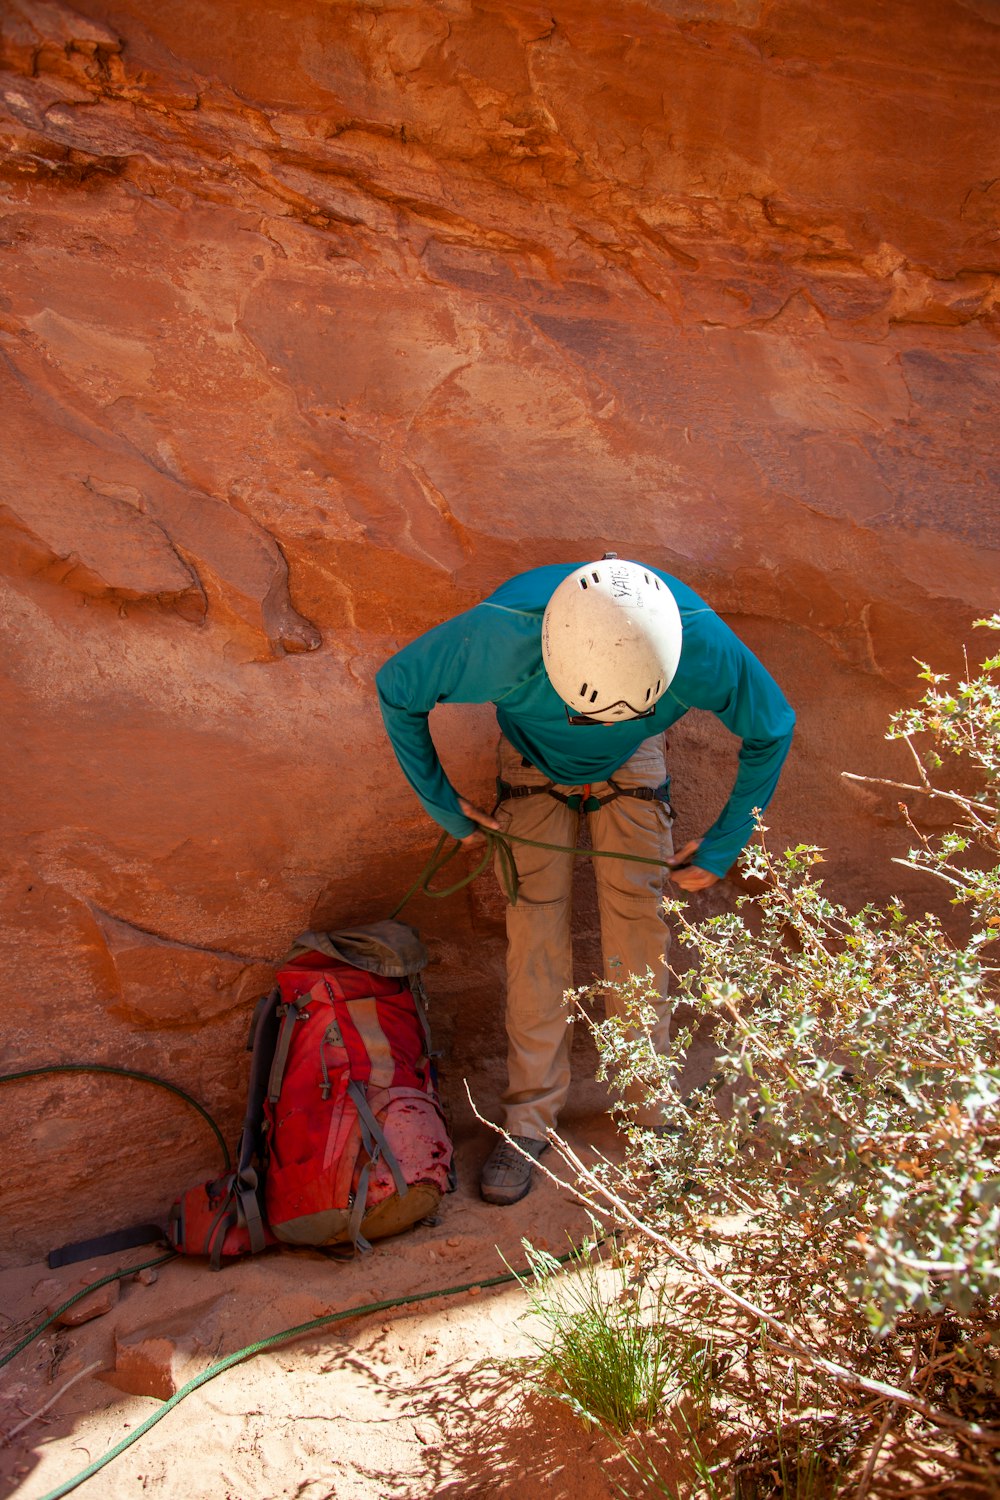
(258, 1347)
(160, 1083)
(84, 1292)
(498, 847)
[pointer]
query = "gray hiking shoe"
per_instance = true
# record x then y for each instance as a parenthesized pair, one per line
(506, 1174)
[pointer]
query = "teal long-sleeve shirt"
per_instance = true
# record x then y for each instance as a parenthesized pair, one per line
(493, 654)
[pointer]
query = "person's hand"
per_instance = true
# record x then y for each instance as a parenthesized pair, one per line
(478, 816)
(685, 874)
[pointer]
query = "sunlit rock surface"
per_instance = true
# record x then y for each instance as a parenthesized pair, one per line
(317, 322)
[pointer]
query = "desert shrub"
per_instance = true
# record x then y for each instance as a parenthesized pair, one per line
(835, 1189)
(608, 1345)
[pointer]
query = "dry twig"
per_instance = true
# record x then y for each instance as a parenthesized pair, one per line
(35, 1415)
(597, 1196)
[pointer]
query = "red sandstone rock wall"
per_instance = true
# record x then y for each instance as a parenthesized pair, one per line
(318, 321)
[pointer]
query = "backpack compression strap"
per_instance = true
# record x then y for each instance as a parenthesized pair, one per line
(376, 1146)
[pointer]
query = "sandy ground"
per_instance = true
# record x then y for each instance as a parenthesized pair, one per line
(404, 1403)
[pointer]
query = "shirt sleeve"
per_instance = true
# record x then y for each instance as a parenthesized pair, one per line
(449, 664)
(730, 682)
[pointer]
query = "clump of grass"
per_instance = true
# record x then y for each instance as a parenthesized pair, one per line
(608, 1349)
(619, 1352)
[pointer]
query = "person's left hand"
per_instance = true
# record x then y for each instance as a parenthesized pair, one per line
(691, 877)
(484, 819)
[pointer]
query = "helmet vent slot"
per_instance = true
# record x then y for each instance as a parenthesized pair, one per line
(611, 640)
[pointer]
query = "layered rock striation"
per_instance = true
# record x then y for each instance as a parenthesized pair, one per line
(315, 324)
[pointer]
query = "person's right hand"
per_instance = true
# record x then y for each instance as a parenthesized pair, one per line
(685, 873)
(485, 819)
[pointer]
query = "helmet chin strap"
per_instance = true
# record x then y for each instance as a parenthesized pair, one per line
(611, 626)
(597, 716)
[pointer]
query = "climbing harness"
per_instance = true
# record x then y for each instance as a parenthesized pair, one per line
(498, 849)
(585, 800)
(498, 845)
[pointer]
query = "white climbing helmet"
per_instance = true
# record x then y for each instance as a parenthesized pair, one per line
(611, 640)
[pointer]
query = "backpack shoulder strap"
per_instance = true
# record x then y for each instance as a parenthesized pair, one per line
(262, 1043)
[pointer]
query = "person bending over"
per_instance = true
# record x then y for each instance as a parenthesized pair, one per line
(588, 666)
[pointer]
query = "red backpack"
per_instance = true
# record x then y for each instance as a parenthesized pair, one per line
(344, 1140)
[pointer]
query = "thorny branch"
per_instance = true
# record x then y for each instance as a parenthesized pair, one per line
(925, 791)
(599, 1197)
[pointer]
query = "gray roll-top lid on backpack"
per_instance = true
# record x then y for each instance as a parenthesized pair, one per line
(391, 949)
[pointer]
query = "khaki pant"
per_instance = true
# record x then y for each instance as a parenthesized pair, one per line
(634, 934)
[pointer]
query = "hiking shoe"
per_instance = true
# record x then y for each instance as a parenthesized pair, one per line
(506, 1174)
